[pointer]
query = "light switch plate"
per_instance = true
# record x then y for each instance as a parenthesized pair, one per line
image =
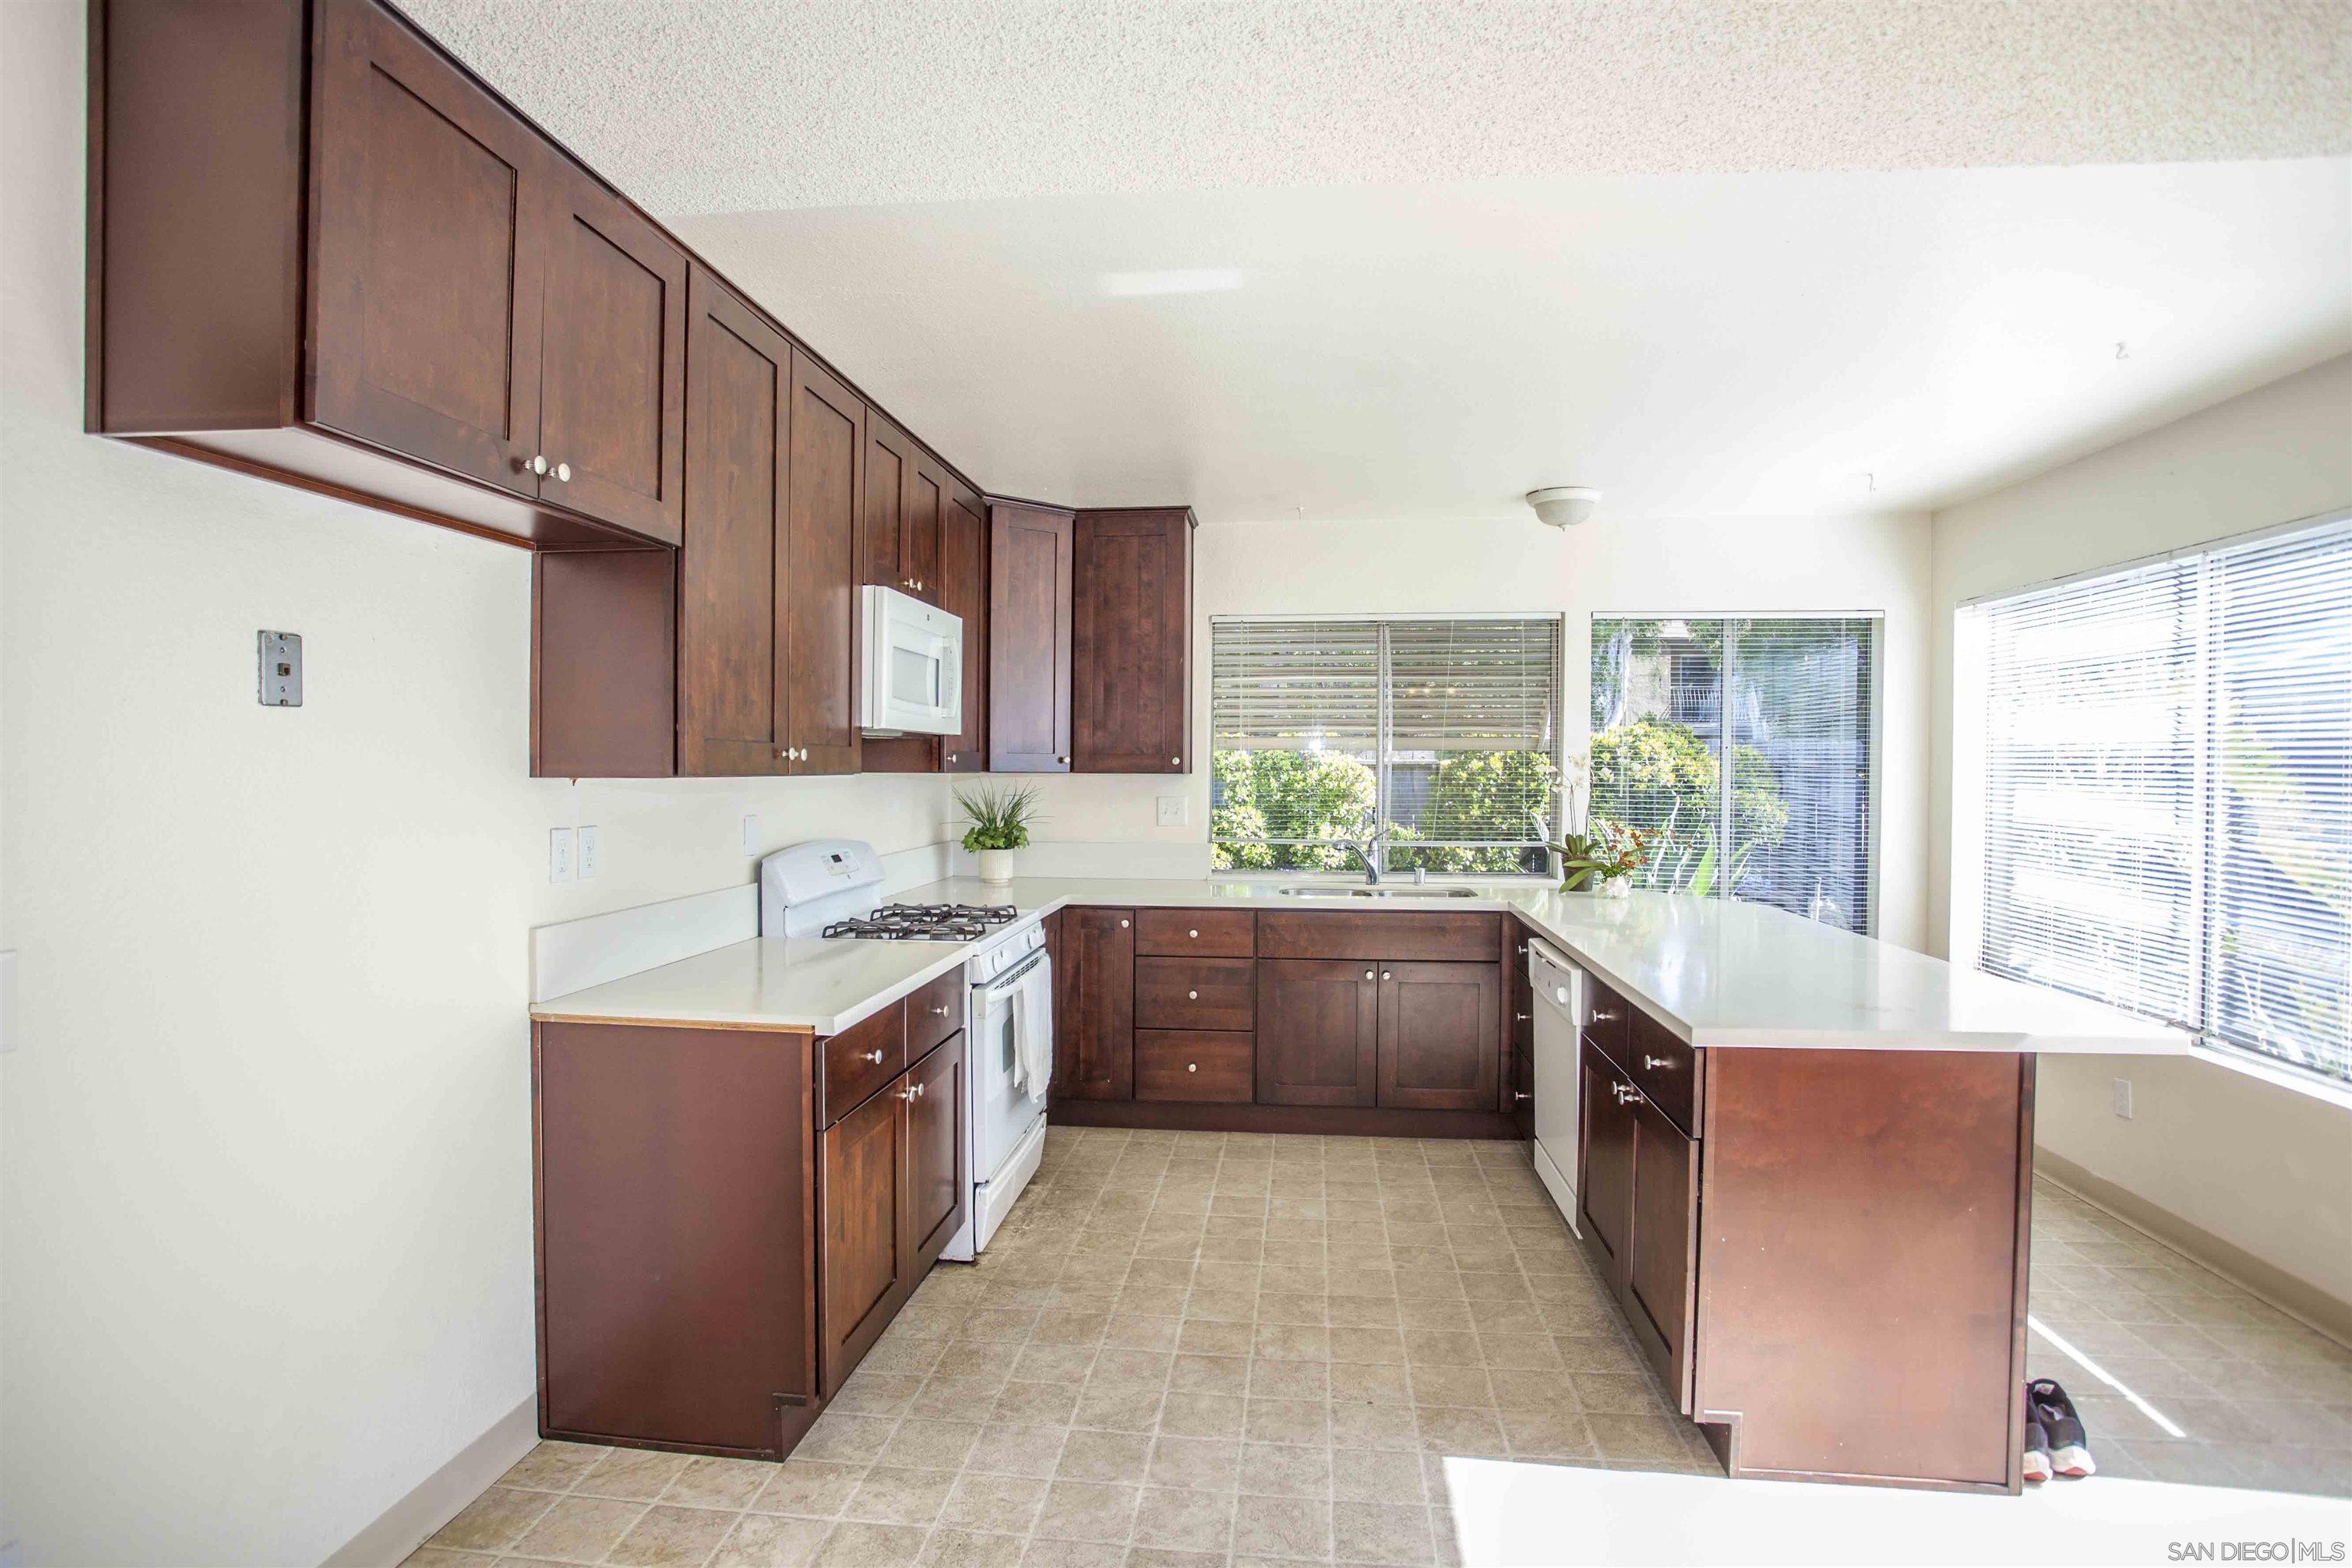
(281, 668)
(559, 854)
(750, 833)
(1172, 810)
(2122, 1092)
(591, 851)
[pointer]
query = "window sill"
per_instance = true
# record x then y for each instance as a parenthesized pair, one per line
(2279, 1075)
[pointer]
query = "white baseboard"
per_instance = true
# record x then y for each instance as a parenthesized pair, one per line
(443, 1495)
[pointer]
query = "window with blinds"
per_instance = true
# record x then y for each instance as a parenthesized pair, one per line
(1746, 746)
(2167, 791)
(1430, 743)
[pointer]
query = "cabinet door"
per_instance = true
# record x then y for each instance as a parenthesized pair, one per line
(937, 1183)
(612, 378)
(426, 255)
(1028, 639)
(819, 588)
(862, 1271)
(1661, 1250)
(731, 570)
(1438, 1040)
(1318, 1032)
(889, 463)
(1130, 621)
(1604, 1189)
(1523, 1045)
(1100, 945)
(963, 593)
(920, 526)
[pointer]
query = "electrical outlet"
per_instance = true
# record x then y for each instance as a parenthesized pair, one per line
(750, 833)
(1172, 810)
(559, 854)
(590, 851)
(2122, 1090)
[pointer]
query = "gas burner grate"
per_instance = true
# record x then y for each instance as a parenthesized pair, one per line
(925, 922)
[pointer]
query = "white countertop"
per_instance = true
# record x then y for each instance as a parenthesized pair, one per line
(1716, 972)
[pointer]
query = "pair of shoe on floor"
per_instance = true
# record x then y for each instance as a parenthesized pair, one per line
(2054, 1442)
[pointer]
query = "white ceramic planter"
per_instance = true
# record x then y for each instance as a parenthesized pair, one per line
(995, 867)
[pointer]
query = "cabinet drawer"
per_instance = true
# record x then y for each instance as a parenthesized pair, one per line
(1665, 1069)
(1196, 934)
(1195, 994)
(934, 1013)
(1214, 1066)
(1326, 933)
(861, 1059)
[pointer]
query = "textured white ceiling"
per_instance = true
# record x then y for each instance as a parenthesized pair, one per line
(1726, 258)
(736, 105)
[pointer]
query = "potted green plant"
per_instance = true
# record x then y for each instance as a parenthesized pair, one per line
(999, 823)
(1596, 856)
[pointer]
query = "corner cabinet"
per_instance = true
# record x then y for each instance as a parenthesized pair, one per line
(1130, 632)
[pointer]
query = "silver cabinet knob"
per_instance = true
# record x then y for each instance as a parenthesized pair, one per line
(1192, 1066)
(563, 473)
(939, 1012)
(875, 1057)
(1656, 1064)
(1517, 1095)
(1193, 934)
(951, 757)
(536, 465)
(1522, 1018)
(1367, 974)
(1625, 1092)
(1176, 761)
(1386, 975)
(1192, 995)
(1606, 1015)
(1122, 925)
(1063, 760)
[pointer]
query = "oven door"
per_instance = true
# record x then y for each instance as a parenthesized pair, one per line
(914, 667)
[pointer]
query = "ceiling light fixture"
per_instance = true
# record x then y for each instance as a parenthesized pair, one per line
(1564, 506)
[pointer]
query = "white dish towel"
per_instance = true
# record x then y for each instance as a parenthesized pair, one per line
(1032, 1029)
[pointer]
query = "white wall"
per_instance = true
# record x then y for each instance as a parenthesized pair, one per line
(2262, 1167)
(1614, 565)
(265, 1197)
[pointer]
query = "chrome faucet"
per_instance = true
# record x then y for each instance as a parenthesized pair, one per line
(1363, 849)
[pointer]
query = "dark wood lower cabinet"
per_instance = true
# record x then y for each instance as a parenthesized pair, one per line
(1318, 1032)
(1662, 1249)
(865, 1252)
(1094, 1006)
(1438, 1036)
(938, 1184)
(1604, 1189)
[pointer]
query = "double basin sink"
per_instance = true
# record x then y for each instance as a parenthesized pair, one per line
(1405, 890)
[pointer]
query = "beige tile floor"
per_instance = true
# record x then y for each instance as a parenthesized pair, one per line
(1190, 1348)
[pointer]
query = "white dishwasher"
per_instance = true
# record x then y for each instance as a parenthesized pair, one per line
(1561, 997)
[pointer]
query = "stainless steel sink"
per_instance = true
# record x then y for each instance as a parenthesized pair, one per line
(1405, 891)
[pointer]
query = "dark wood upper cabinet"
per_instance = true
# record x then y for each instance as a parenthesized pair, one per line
(1095, 1005)
(429, 254)
(732, 679)
(611, 323)
(324, 252)
(821, 575)
(1318, 1032)
(920, 525)
(1439, 1046)
(1029, 565)
(963, 593)
(1130, 629)
(890, 466)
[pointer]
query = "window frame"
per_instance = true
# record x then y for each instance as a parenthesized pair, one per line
(1966, 882)
(1382, 747)
(1875, 783)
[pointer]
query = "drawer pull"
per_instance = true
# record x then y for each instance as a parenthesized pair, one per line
(1122, 925)
(1193, 934)
(874, 1056)
(1606, 1015)
(1192, 1066)
(1656, 1064)
(1192, 995)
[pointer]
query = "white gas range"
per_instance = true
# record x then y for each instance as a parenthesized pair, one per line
(829, 889)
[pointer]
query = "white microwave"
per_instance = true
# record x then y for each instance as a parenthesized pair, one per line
(913, 667)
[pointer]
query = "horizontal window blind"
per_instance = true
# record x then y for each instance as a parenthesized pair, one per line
(1435, 739)
(2168, 792)
(1746, 745)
